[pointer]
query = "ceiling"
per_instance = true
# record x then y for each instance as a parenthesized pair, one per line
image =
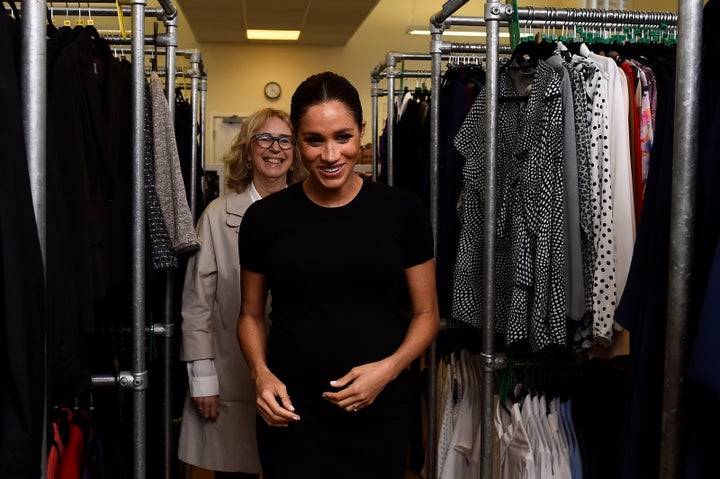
(321, 22)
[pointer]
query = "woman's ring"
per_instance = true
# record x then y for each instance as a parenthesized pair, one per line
(283, 397)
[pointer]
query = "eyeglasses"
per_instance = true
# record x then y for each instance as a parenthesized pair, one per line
(266, 140)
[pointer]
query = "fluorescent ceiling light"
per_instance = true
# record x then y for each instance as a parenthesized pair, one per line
(273, 34)
(456, 33)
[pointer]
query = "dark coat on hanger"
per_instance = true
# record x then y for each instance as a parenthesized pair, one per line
(87, 110)
(21, 282)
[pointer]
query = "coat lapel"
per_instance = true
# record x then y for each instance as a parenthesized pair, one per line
(235, 206)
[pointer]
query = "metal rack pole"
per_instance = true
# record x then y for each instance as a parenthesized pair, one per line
(682, 220)
(168, 7)
(390, 136)
(196, 72)
(171, 53)
(170, 42)
(436, 29)
(435, 70)
(139, 371)
(374, 93)
(202, 86)
(448, 8)
(34, 77)
(493, 12)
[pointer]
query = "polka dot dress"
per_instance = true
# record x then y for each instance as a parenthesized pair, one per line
(530, 265)
(598, 329)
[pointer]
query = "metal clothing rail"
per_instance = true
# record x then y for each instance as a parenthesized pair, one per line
(387, 70)
(166, 330)
(390, 73)
(169, 8)
(34, 75)
(90, 10)
(438, 50)
(682, 215)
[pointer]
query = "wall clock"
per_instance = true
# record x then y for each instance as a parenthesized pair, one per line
(272, 90)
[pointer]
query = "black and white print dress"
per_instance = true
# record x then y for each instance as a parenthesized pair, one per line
(530, 265)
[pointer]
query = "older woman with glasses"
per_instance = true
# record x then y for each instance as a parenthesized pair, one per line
(218, 428)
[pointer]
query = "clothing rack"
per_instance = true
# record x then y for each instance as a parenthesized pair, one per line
(166, 329)
(34, 75)
(682, 214)
(388, 71)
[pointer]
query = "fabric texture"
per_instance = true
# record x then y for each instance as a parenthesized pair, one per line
(168, 176)
(574, 286)
(530, 257)
(161, 250)
(599, 254)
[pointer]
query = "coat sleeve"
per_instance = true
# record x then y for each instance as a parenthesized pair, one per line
(199, 297)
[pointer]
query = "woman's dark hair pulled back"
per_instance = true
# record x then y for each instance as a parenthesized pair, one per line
(322, 88)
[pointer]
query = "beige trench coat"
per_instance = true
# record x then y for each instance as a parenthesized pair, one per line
(210, 308)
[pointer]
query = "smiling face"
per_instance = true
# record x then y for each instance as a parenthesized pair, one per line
(329, 141)
(272, 161)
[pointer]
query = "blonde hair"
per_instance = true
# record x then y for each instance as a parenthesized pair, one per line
(238, 164)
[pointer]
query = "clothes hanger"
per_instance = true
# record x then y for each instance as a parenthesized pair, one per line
(121, 20)
(51, 23)
(179, 97)
(15, 11)
(90, 23)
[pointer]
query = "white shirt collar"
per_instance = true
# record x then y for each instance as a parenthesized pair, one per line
(254, 195)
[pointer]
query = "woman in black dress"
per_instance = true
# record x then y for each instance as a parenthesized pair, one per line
(349, 265)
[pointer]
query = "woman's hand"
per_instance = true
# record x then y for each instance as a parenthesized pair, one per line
(207, 406)
(273, 402)
(361, 385)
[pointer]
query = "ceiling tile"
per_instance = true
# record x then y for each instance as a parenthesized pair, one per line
(322, 22)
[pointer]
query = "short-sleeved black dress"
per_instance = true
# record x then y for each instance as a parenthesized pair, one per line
(336, 276)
